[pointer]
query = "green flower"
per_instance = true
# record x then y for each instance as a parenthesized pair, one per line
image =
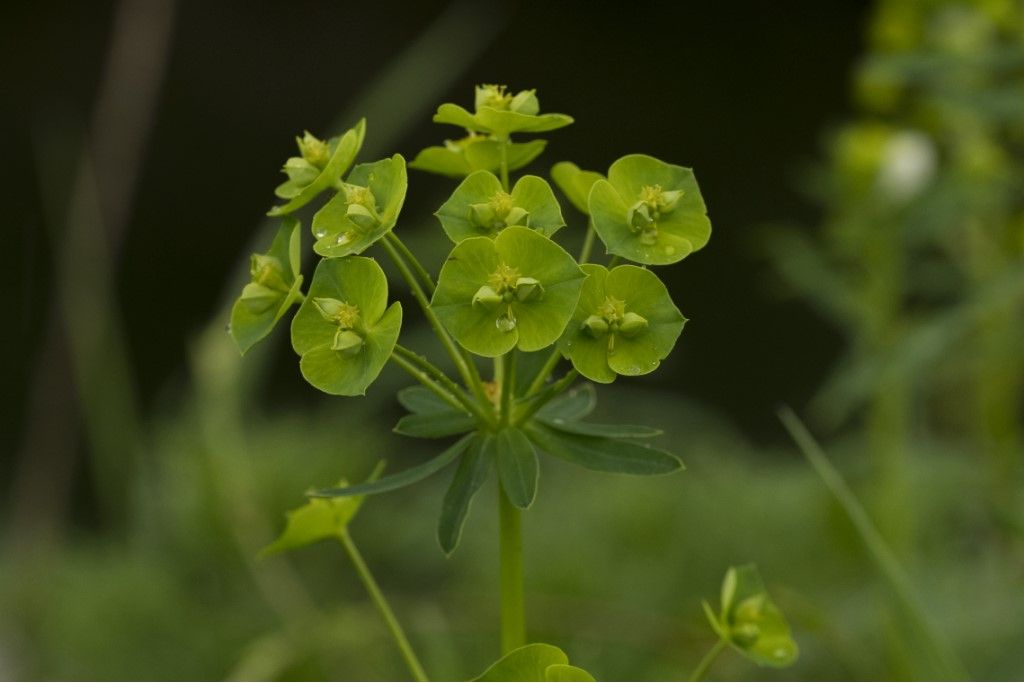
(480, 207)
(475, 152)
(500, 113)
(342, 331)
(625, 323)
(575, 183)
(751, 622)
(275, 285)
(648, 211)
(364, 209)
(518, 290)
(318, 167)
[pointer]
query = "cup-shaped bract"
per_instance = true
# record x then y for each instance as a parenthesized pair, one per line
(515, 291)
(752, 622)
(648, 211)
(344, 331)
(625, 323)
(364, 209)
(307, 178)
(275, 285)
(500, 113)
(480, 207)
(575, 183)
(475, 152)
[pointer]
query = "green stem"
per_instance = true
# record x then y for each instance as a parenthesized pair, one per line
(415, 668)
(423, 377)
(709, 659)
(504, 163)
(421, 363)
(513, 618)
(542, 375)
(549, 392)
(883, 556)
(426, 280)
(614, 262)
(465, 366)
(508, 380)
(588, 242)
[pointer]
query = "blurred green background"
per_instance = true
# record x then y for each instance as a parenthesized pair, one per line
(864, 169)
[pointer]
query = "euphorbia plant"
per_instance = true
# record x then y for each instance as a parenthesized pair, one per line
(506, 292)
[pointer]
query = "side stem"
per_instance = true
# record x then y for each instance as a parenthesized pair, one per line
(415, 668)
(588, 242)
(709, 659)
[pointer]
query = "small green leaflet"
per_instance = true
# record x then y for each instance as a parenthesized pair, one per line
(469, 477)
(534, 662)
(602, 454)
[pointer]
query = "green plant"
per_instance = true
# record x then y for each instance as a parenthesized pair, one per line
(508, 293)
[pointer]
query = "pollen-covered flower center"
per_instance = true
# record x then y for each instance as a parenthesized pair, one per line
(314, 150)
(347, 338)
(610, 319)
(498, 212)
(498, 97)
(653, 202)
(505, 286)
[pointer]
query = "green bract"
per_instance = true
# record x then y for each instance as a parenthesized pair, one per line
(649, 211)
(625, 323)
(500, 113)
(575, 183)
(750, 621)
(364, 209)
(318, 168)
(342, 331)
(458, 158)
(516, 291)
(479, 206)
(534, 662)
(276, 284)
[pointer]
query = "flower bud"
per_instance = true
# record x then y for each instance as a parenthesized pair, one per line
(486, 296)
(347, 341)
(341, 312)
(746, 634)
(314, 150)
(516, 216)
(361, 216)
(525, 102)
(669, 200)
(639, 217)
(596, 326)
(259, 299)
(482, 215)
(300, 171)
(528, 288)
(632, 324)
(268, 272)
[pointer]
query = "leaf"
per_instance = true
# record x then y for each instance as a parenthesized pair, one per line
(319, 519)
(259, 308)
(594, 429)
(459, 158)
(608, 297)
(500, 123)
(436, 425)
(575, 183)
(517, 466)
(574, 404)
(399, 479)
(336, 234)
(469, 477)
(756, 627)
(601, 454)
(534, 662)
(531, 204)
(344, 154)
(418, 399)
(672, 235)
(516, 254)
(359, 284)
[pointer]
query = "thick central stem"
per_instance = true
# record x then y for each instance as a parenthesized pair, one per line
(513, 618)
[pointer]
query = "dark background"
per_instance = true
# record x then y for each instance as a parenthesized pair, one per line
(739, 92)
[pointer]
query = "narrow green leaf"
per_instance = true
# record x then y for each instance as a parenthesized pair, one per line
(605, 455)
(435, 425)
(469, 477)
(399, 479)
(418, 399)
(574, 404)
(594, 429)
(517, 466)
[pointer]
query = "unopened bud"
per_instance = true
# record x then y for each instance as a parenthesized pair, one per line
(596, 326)
(486, 296)
(528, 288)
(525, 102)
(347, 341)
(632, 324)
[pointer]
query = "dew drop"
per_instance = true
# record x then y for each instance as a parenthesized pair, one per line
(505, 324)
(343, 238)
(320, 233)
(669, 249)
(227, 328)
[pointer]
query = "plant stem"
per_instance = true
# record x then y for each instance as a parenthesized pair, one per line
(465, 366)
(423, 377)
(415, 668)
(542, 375)
(513, 619)
(614, 262)
(886, 560)
(464, 400)
(423, 273)
(709, 659)
(549, 392)
(588, 242)
(504, 163)
(508, 380)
